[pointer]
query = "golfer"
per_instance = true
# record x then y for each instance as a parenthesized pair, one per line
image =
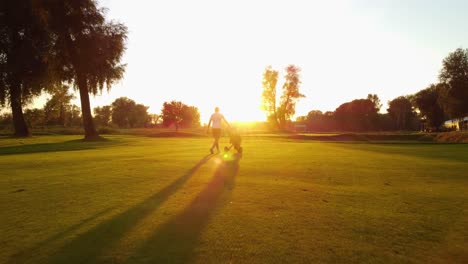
(215, 122)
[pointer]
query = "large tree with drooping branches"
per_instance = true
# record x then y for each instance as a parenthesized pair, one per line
(25, 46)
(87, 50)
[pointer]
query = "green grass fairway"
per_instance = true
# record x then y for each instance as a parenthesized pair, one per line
(164, 200)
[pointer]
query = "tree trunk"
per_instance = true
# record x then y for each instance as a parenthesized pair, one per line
(88, 124)
(19, 123)
(275, 115)
(62, 115)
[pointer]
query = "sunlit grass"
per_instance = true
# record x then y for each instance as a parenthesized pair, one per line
(160, 200)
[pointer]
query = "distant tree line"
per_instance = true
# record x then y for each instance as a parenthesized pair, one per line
(126, 113)
(57, 111)
(424, 110)
(122, 113)
(363, 115)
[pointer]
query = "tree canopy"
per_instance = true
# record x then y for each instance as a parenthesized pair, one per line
(402, 112)
(25, 45)
(128, 114)
(179, 115)
(427, 101)
(290, 94)
(270, 79)
(454, 76)
(357, 115)
(57, 109)
(87, 50)
(280, 114)
(103, 115)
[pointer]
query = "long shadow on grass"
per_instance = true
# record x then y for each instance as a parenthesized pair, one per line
(88, 247)
(174, 241)
(70, 145)
(28, 253)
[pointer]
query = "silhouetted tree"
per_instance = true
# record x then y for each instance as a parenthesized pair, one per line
(75, 116)
(270, 79)
(139, 116)
(315, 120)
(121, 108)
(386, 122)
(191, 117)
(454, 76)
(357, 115)
(87, 50)
(376, 100)
(6, 120)
(318, 121)
(154, 118)
(402, 113)
(290, 95)
(180, 115)
(35, 117)
(427, 101)
(128, 114)
(57, 109)
(103, 115)
(24, 46)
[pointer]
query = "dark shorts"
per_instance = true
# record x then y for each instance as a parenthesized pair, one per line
(216, 132)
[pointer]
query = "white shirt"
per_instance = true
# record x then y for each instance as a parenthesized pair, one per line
(216, 120)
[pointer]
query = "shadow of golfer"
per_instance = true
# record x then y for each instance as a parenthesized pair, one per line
(174, 241)
(88, 247)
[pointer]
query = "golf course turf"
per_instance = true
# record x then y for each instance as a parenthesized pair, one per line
(136, 199)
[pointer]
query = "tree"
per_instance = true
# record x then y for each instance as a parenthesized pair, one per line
(315, 120)
(5, 120)
(57, 109)
(290, 95)
(75, 116)
(376, 100)
(34, 117)
(190, 117)
(139, 116)
(103, 115)
(179, 114)
(121, 108)
(427, 101)
(24, 48)
(87, 50)
(454, 76)
(401, 111)
(270, 79)
(128, 114)
(154, 119)
(357, 115)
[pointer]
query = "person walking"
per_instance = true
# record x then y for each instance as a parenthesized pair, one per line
(215, 122)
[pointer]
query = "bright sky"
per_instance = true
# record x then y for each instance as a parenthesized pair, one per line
(209, 53)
